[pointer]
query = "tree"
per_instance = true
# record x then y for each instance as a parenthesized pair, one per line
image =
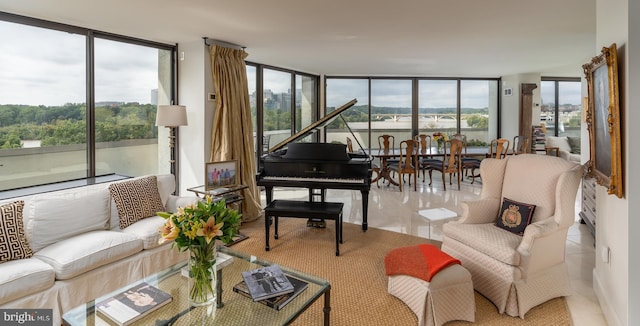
(478, 121)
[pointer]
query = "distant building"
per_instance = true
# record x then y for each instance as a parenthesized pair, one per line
(31, 143)
(154, 96)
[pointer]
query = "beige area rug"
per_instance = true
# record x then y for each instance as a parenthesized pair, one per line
(358, 281)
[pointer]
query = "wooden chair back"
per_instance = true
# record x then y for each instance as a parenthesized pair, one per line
(423, 142)
(386, 142)
(408, 164)
(452, 156)
(349, 145)
(521, 144)
(499, 148)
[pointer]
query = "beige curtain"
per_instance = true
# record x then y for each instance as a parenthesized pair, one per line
(232, 133)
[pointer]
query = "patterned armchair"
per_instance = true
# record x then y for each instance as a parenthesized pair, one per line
(518, 272)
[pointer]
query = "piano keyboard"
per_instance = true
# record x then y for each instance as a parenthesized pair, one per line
(336, 180)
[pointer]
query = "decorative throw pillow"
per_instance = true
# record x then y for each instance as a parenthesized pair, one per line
(515, 216)
(13, 242)
(136, 199)
(574, 142)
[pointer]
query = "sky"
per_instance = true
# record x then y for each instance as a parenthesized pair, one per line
(46, 67)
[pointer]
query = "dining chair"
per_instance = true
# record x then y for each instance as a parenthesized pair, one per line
(521, 144)
(451, 164)
(387, 143)
(407, 163)
(425, 160)
(469, 164)
(349, 145)
(499, 148)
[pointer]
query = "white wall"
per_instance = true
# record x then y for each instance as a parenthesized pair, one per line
(194, 77)
(510, 115)
(611, 280)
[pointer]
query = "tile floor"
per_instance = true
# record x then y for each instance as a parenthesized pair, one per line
(393, 210)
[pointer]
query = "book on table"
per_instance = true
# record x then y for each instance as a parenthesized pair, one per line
(277, 302)
(266, 282)
(136, 302)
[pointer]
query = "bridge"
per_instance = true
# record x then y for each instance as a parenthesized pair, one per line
(433, 116)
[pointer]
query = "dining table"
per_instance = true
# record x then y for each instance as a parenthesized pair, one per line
(385, 155)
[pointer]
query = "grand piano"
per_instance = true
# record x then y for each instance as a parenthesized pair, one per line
(316, 166)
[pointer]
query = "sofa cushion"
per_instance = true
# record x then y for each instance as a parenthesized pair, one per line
(13, 242)
(487, 239)
(147, 231)
(136, 199)
(87, 251)
(514, 216)
(64, 214)
(19, 278)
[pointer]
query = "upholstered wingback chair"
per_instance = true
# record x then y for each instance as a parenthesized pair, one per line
(518, 272)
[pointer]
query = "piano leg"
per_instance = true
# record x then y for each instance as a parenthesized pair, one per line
(268, 190)
(267, 225)
(365, 206)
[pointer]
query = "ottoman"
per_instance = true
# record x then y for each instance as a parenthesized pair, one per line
(448, 296)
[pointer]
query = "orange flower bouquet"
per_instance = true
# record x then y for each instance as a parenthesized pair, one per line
(196, 228)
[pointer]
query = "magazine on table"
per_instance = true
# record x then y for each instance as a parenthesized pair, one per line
(267, 282)
(280, 301)
(134, 303)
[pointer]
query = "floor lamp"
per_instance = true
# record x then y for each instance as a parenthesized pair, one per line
(171, 116)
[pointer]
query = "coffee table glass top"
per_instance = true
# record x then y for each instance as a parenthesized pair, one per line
(236, 310)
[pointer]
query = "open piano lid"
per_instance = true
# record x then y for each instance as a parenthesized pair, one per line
(312, 127)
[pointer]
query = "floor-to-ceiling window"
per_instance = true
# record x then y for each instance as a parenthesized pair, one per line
(561, 111)
(48, 132)
(276, 115)
(391, 112)
(130, 81)
(341, 91)
(479, 111)
(283, 102)
(42, 105)
(404, 107)
(438, 106)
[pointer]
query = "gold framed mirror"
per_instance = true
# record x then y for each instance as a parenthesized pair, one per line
(603, 120)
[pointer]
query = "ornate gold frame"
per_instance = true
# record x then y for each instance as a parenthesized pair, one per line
(603, 120)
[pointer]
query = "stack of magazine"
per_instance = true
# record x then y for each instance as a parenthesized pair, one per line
(136, 302)
(270, 286)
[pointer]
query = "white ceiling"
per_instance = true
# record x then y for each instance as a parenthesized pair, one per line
(438, 38)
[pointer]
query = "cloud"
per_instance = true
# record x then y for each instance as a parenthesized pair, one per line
(48, 67)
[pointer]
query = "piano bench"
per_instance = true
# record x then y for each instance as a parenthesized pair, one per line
(303, 209)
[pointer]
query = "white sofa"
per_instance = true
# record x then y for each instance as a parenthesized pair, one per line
(569, 148)
(79, 250)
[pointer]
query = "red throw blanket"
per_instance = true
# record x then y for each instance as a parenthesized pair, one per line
(422, 261)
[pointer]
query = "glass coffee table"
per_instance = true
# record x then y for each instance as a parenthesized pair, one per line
(234, 309)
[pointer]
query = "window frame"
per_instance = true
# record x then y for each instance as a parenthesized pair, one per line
(90, 35)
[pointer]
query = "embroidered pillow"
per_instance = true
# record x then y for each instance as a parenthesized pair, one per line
(136, 199)
(514, 216)
(13, 242)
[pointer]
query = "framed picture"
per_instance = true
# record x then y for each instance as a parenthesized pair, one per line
(603, 120)
(221, 174)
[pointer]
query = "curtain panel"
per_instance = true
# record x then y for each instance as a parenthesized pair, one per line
(232, 132)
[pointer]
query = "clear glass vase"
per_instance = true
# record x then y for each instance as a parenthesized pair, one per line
(202, 274)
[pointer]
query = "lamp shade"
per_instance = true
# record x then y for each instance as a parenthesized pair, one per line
(171, 115)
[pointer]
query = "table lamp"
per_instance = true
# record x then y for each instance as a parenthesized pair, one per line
(171, 116)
